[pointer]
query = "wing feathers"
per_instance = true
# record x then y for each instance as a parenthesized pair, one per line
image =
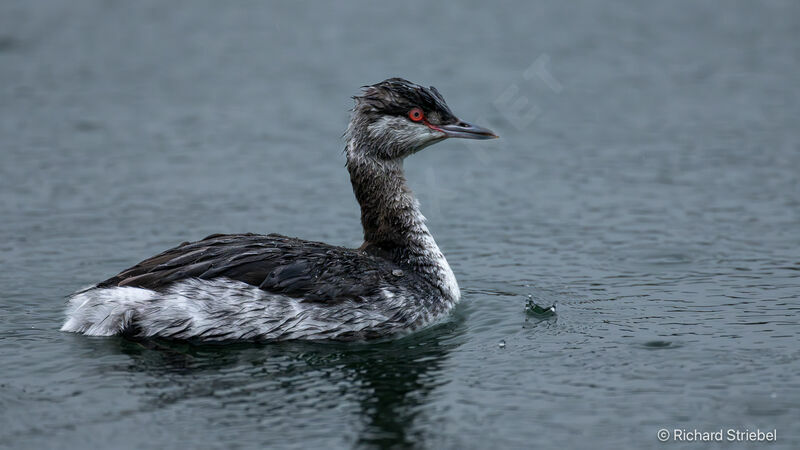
(309, 270)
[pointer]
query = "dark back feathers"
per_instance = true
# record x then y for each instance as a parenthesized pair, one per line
(313, 271)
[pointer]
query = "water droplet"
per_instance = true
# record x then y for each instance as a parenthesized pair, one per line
(537, 310)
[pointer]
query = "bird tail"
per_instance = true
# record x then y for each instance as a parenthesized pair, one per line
(104, 311)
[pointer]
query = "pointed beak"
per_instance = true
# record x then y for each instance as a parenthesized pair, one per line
(466, 130)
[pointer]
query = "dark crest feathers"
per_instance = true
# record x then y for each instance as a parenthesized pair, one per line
(397, 96)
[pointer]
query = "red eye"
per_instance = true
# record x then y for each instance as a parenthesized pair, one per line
(415, 114)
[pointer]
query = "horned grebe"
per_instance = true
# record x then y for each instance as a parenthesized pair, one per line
(257, 287)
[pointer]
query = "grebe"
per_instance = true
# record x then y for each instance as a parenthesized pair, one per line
(272, 287)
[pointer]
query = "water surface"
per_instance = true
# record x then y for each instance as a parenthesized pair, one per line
(646, 182)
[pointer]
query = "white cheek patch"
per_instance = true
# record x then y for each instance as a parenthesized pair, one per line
(402, 132)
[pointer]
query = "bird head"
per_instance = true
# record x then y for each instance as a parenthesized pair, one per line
(396, 118)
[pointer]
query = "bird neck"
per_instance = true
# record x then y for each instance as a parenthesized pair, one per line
(394, 228)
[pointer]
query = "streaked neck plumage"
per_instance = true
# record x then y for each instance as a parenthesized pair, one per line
(393, 225)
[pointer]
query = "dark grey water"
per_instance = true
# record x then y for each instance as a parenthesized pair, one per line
(647, 180)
